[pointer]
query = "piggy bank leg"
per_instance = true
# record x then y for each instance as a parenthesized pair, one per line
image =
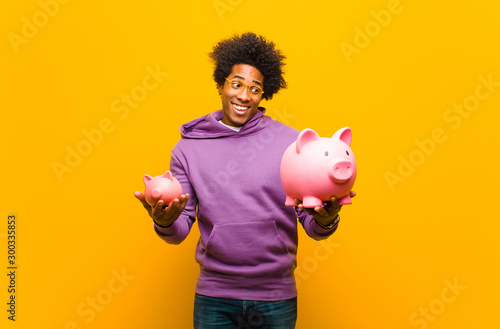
(290, 201)
(345, 200)
(311, 202)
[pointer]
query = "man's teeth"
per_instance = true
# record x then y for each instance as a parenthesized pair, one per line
(241, 108)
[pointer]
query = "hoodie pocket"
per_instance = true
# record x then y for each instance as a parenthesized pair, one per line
(250, 249)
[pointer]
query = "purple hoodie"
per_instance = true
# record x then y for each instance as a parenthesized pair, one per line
(248, 243)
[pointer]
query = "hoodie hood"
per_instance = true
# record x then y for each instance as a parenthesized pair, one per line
(208, 126)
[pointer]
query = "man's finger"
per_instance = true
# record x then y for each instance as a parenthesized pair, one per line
(140, 196)
(142, 199)
(183, 201)
(179, 205)
(321, 211)
(306, 210)
(157, 209)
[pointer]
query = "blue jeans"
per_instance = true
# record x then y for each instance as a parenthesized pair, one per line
(222, 313)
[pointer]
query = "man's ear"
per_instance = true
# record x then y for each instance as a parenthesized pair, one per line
(219, 88)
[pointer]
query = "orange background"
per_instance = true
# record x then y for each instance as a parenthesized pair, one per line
(417, 249)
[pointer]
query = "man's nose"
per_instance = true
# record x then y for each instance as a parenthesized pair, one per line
(244, 94)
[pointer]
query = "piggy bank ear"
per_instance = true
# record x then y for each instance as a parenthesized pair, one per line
(344, 135)
(146, 179)
(306, 136)
(168, 175)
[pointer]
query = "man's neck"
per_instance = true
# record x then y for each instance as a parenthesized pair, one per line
(230, 127)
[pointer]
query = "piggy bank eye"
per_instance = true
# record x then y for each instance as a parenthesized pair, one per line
(326, 153)
(347, 152)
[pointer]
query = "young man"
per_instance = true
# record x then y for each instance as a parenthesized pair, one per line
(228, 163)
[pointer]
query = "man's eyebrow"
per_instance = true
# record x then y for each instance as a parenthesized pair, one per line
(242, 78)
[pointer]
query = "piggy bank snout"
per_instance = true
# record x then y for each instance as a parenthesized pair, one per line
(341, 170)
(156, 193)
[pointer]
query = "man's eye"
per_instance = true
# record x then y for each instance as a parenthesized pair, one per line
(236, 85)
(254, 90)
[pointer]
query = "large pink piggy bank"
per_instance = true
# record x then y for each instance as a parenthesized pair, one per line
(165, 187)
(314, 169)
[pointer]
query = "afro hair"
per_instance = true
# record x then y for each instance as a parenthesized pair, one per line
(251, 49)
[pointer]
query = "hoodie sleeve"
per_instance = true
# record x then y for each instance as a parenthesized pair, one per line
(179, 230)
(312, 228)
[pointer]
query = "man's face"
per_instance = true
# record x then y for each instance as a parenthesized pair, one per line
(239, 106)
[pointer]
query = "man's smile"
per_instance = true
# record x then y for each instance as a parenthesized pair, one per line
(240, 108)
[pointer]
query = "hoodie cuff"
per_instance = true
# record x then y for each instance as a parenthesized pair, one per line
(321, 231)
(167, 231)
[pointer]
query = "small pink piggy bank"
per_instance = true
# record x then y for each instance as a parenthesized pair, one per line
(314, 169)
(165, 187)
